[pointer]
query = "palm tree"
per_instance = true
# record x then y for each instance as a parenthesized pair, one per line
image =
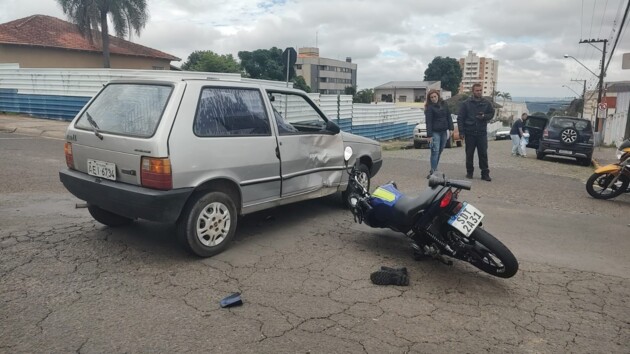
(88, 15)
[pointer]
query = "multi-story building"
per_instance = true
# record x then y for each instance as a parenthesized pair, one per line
(323, 75)
(475, 69)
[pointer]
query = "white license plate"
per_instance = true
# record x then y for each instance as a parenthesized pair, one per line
(467, 220)
(565, 152)
(102, 169)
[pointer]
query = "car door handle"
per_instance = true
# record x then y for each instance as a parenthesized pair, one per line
(278, 152)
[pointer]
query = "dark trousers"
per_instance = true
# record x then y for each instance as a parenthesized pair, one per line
(479, 142)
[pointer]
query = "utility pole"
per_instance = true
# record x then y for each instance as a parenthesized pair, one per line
(601, 76)
(583, 95)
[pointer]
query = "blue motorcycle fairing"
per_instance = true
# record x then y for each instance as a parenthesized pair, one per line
(398, 212)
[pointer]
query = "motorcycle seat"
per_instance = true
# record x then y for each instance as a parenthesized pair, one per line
(406, 207)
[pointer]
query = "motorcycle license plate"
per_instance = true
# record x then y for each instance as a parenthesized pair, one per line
(467, 220)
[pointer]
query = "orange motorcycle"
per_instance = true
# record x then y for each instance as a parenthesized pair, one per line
(612, 180)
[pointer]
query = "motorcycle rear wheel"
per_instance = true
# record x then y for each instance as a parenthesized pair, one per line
(493, 257)
(595, 183)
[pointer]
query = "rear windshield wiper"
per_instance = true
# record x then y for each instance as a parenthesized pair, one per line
(94, 126)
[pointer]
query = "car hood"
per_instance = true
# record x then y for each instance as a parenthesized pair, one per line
(352, 138)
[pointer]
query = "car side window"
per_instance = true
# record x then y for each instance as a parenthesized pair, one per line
(295, 115)
(230, 111)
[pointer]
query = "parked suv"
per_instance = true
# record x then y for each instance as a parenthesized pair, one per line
(562, 136)
(199, 153)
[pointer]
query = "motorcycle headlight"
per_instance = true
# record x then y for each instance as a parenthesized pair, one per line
(619, 154)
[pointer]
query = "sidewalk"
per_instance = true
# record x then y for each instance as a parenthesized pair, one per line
(51, 128)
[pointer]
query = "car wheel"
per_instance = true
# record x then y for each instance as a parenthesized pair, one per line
(459, 143)
(417, 145)
(107, 217)
(585, 162)
(540, 155)
(207, 224)
(364, 180)
(569, 136)
(449, 143)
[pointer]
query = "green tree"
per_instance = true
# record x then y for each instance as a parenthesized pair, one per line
(446, 70)
(350, 90)
(206, 60)
(300, 83)
(88, 15)
(364, 96)
(265, 64)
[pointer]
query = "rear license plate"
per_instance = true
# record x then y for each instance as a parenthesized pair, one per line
(565, 152)
(467, 220)
(102, 169)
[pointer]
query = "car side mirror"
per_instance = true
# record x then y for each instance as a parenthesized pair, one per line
(332, 127)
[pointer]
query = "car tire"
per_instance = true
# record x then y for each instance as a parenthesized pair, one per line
(107, 217)
(459, 143)
(364, 178)
(585, 162)
(207, 224)
(449, 143)
(540, 155)
(417, 145)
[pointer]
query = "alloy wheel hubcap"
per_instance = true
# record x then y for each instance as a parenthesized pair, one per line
(569, 136)
(213, 224)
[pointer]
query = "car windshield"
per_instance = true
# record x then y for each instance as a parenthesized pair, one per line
(564, 122)
(126, 109)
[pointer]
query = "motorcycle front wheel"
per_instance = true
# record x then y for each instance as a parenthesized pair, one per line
(599, 186)
(491, 256)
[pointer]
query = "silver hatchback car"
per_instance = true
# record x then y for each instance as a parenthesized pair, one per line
(199, 153)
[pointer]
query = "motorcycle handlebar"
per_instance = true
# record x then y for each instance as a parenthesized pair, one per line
(436, 180)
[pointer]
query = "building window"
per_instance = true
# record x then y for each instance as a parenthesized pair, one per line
(402, 98)
(386, 98)
(298, 66)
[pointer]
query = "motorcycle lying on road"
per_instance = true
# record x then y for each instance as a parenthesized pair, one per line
(612, 180)
(436, 222)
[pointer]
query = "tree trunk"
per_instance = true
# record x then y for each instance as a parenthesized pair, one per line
(105, 39)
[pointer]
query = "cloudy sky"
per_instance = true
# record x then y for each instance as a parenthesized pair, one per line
(397, 39)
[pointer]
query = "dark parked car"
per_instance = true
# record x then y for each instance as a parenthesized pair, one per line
(562, 136)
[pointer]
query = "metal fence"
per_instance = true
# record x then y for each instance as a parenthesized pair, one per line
(61, 93)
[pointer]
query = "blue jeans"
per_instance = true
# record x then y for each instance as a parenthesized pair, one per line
(516, 143)
(437, 145)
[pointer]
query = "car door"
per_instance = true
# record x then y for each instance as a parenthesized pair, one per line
(535, 126)
(223, 132)
(311, 154)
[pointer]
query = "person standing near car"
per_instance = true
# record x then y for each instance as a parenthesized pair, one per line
(517, 136)
(439, 123)
(473, 118)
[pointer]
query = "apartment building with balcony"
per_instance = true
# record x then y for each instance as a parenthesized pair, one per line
(481, 70)
(323, 75)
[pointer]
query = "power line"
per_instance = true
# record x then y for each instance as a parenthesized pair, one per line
(601, 24)
(625, 15)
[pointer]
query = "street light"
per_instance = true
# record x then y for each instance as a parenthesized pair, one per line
(571, 90)
(579, 62)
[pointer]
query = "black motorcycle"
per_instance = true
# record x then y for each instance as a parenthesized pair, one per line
(436, 222)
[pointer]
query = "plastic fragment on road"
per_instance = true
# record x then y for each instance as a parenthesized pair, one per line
(231, 300)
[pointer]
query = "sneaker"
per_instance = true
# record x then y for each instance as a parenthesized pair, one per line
(469, 175)
(383, 277)
(486, 178)
(402, 270)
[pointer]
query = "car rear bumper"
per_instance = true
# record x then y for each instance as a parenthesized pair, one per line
(124, 199)
(577, 150)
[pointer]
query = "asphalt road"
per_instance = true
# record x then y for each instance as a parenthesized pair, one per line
(68, 283)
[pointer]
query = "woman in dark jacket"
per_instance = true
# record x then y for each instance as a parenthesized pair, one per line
(439, 122)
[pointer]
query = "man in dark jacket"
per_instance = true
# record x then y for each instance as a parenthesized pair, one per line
(473, 118)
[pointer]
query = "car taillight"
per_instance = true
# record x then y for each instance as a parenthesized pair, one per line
(156, 173)
(67, 149)
(446, 200)
(545, 133)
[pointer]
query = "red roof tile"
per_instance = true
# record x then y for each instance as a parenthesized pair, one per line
(48, 31)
